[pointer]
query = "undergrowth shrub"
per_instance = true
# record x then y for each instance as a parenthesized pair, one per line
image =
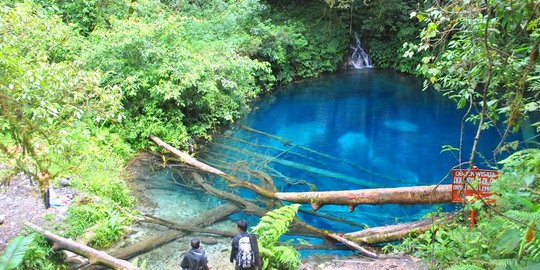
(41, 256)
(506, 235)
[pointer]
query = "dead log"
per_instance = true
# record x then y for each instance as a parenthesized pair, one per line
(322, 172)
(396, 232)
(246, 205)
(183, 228)
(333, 218)
(408, 195)
(353, 245)
(190, 225)
(146, 244)
(205, 168)
(93, 255)
(402, 195)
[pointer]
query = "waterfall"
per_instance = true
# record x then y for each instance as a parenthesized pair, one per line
(359, 57)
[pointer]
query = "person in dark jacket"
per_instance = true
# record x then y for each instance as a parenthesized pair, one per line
(195, 258)
(235, 251)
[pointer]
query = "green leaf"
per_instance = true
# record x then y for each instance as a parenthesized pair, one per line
(15, 251)
(510, 239)
(528, 179)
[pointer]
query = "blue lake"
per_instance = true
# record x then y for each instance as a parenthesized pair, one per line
(353, 130)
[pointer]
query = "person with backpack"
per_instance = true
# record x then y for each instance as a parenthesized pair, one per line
(195, 258)
(245, 249)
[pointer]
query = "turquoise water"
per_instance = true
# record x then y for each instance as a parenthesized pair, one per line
(354, 130)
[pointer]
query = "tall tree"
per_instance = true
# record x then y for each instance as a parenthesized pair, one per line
(45, 98)
(483, 54)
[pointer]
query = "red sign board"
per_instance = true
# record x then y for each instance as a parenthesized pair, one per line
(482, 179)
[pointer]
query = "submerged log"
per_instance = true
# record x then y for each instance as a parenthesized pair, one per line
(287, 142)
(304, 167)
(93, 255)
(395, 232)
(402, 195)
(206, 168)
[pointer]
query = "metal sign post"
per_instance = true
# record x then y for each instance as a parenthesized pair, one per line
(474, 182)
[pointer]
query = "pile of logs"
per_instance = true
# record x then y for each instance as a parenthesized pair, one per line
(270, 199)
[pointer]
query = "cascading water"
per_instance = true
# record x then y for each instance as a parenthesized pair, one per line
(359, 58)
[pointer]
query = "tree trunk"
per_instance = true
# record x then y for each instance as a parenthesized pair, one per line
(402, 195)
(193, 224)
(353, 245)
(395, 232)
(206, 168)
(93, 255)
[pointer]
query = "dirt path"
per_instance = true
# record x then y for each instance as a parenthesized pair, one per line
(21, 202)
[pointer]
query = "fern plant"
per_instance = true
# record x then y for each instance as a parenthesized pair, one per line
(15, 251)
(270, 228)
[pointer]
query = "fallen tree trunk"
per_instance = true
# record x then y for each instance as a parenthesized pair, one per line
(190, 225)
(353, 245)
(402, 195)
(182, 227)
(206, 168)
(246, 205)
(395, 232)
(93, 255)
(147, 244)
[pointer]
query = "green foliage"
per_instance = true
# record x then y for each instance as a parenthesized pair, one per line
(141, 265)
(180, 81)
(88, 14)
(483, 46)
(270, 228)
(189, 71)
(384, 26)
(40, 256)
(15, 251)
(507, 241)
(300, 46)
(44, 99)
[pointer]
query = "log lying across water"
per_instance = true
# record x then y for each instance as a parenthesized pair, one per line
(402, 195)
(395, 232)
(95, 256)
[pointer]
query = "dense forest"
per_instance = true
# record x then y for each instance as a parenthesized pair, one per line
(84, 84)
